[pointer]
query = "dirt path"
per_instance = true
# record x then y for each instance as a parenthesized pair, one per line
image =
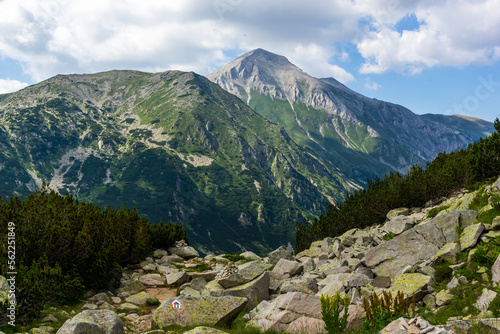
(162, 293)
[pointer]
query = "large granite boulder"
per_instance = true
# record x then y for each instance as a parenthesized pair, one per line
(142, 298)
(186, 252)
(411, 285)
(152, 280)
(211, 311)
(132, 287)
(280, 253)
(287, 267)
(93, 322)
(285, 309)
(470, 235)
(245, 273)
(255, 291)
(399, 224)
(415, 245)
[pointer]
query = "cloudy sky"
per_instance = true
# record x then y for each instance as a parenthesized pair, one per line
(432, 56)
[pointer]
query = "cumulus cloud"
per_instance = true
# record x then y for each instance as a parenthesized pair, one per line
(450, 33)
(62, 36)
(370, 85)
(9, 86)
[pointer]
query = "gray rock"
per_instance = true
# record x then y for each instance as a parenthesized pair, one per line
(299, 284)
(397, 212)
(287, 267)
(244, 274)
(382, 282)
(90, 322)
(399, 224)
(49, 318)
(470, 235)
(255, 291)
(178, 278)
(398, 326)
(280, 253)
(415, 245)
(152, 280)
(449, 252)
(100, 297)
(357, 280)
(132, 287)
(186, 252)
(250, 256)
(211, 311)
(159, 253)
(204, 330)
(140, 299)
(443, 297)
(198, 283)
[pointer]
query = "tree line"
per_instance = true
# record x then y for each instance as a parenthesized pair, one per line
(447, 173)
(65, 247)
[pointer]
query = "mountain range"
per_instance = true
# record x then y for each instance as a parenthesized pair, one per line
(236, 159)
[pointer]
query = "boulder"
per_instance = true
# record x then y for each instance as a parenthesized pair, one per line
(399, 224)
(100, 297)
(204, 330)
(411, 284)
(211, 311)
(443, 297)
(280, 253)
(177, 278)
(397, 212)
(415, 245)
(140, 324)
(4, 289)
(285, 309)
(382, 282)
(357, 280)
(470, 235)
(495, 271)
(159, 253)
(299, 284)
(186, 252)
(152, 280)
(449, 252)
(88, 322)
(306, 325)
(255, 291)
(127, 307)
(140, 299)
(398, 326)
(244, 274)
(213, 289)
(287, 267)
(132, 287)
(250, 256)
(310, 252)
(483, 301)
(198, 283)
(495, 224)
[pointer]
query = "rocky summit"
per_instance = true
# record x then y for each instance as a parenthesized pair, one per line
(439, 256)
(340, 125)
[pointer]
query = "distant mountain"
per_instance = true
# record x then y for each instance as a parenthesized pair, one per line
(175, 146)
(363, 137)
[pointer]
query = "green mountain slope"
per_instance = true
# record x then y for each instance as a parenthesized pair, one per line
(363, 137)
(174, 145)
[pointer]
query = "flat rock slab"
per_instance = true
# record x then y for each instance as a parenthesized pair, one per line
(255, 291)
(470, 235)
(93, 322)
(211, 311)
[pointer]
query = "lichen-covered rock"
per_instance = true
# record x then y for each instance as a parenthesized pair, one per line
(100, 297)
(159, 253)
(213, 289)
(306, 325)
(287, 267)
(186, 252)
(127, 307)
(470, 235)
(310, 252)
(449, 252)
(495, 270)
(443, 297)
(4, 289)
(93, 322)
(211, 311)
(140, 299)
(198, 283)
(255, 291)
(411, 284)
(397, 212)
(132, 287)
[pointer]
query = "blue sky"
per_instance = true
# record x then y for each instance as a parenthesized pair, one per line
(429, 56)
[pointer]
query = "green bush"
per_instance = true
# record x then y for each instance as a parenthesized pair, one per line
(164, 236)
(330, 309)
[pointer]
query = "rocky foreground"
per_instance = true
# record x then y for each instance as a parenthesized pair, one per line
(281, 291)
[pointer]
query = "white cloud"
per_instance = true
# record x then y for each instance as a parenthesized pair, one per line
(451, 33)
(63, 36)
(370, 85)
(9, 86)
